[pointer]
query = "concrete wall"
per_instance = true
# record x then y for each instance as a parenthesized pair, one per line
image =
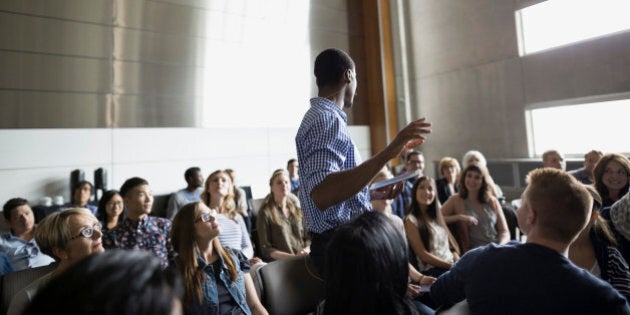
(82, 80)
(469, 80)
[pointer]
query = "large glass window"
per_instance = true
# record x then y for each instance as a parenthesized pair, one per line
(257, 64)
(559, 22)
(577, 129)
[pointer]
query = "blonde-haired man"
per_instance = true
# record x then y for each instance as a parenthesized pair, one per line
(535, 277)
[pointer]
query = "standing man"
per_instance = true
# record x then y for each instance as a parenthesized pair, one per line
(191, 193)
(333, 179)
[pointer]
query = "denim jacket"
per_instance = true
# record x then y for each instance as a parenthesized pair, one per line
(236, 289)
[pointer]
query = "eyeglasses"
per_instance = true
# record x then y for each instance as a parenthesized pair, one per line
(88, 232)
(205, 217)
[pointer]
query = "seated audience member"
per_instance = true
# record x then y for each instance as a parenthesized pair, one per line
(415, 162)
(192, 192)
(534, 277)
(216, 278)
(585, 174)
(118, 282)
(218, 196)
(139, 230)
(594, 250)
(281, 231)
(110, 210)
(5, 264)
(447, 185)
(477, 158)
(82, 193)
(18, 244)
(478, 214)
(293, 167)
(367, 269)
(386, 206)
(69, 236)
(611, 178)
(554, 159)
(619, 220)
(427, 233)
(240, 198)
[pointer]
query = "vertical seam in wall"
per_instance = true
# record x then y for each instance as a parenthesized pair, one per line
(112, 114)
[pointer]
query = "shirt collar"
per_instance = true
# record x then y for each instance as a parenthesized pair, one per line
(325, 103)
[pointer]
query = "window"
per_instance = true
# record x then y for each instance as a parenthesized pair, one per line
(579, 128)
(257, 65)
(559, 22)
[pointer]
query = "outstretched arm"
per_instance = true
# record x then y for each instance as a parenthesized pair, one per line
(339, 186)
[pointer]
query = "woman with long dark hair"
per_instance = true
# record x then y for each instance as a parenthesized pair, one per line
(427, 233)
(611, 178)
(478, 213)
(366, 269)
(110, 210)
(216, 278)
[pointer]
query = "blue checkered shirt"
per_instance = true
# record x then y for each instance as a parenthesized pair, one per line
(323, 147)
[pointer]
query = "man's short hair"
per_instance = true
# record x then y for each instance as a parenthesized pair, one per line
(80, 185)
(412, 153)
(291, 161)
(551, 152)
(130, 184)
(561, 203)
(191, 172)
(599, 153)
(330, 66)
(12, 204)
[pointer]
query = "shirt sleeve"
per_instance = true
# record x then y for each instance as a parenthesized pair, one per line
(262, 225)
(450, 287)
(246, 242)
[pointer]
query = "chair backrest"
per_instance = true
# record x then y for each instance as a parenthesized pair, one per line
(12, 283)
(290, 286)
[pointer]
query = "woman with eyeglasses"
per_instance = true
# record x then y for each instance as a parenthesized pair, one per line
(67, 236)
(216, 278)
(110, 210)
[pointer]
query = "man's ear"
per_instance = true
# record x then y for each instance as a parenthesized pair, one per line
(531, 216)
(348, 75)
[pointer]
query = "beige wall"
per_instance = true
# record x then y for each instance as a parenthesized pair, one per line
(468, 78)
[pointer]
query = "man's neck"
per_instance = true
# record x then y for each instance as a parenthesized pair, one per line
(560, 247)
(334, 94)
(136, 217)
(26, 235)
(191, 188)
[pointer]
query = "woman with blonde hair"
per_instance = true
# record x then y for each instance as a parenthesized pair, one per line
(281, 231)
(478, 213)
(68, 236)
(218, 195)
(447, 185)
(216, 278)
(611, 178)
